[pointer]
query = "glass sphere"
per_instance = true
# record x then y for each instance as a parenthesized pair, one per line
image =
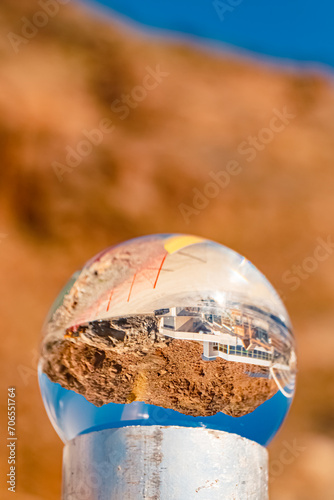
(168, 330)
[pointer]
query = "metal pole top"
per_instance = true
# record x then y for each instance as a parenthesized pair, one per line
(164, 463)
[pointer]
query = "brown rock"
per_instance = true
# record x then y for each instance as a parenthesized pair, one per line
(166, 372)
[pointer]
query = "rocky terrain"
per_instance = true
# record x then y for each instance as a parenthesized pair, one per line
(158, 170)
(125, 360)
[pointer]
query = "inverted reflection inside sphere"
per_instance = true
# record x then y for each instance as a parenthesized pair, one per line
(168, 330)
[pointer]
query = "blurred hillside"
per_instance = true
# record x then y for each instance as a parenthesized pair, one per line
(189, 114)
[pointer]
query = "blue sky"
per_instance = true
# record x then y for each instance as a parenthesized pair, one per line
(299, 30)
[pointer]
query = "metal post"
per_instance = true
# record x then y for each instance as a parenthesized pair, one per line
(164, 463)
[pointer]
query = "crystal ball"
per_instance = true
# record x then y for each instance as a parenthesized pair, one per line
(168, 330)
